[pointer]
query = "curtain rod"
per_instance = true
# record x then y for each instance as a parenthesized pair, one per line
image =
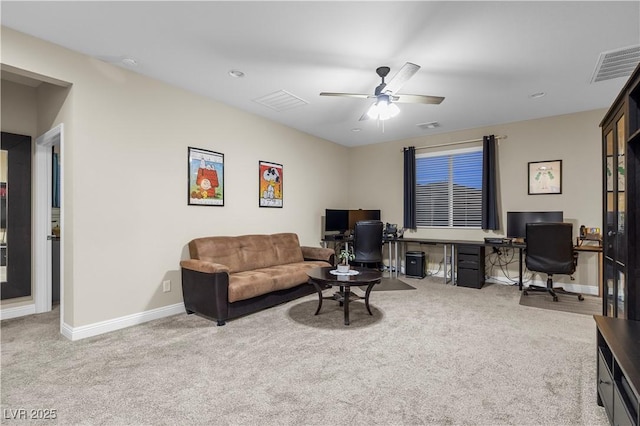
(457, 143)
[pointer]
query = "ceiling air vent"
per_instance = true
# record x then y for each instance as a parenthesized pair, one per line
(281, 101)
(430, 125)
(616, 63)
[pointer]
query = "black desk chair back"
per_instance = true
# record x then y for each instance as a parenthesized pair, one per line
(550, 251)
(367, 243)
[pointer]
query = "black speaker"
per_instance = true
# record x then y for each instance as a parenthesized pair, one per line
(415, 264)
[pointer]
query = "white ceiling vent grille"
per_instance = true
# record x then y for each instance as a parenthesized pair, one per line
(616, 63)
(430, 125)
(281, 101)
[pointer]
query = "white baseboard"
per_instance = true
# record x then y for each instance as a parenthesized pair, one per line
(82, 332)
(18, 311)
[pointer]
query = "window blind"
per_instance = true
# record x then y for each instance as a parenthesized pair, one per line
(449, 188)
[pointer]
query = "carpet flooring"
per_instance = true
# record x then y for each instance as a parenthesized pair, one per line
(436, 355)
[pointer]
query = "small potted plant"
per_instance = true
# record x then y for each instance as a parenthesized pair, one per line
(345, 256)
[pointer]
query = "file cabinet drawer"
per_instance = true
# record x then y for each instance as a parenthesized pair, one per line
(468, 261)
(605, 384)
(469, 249)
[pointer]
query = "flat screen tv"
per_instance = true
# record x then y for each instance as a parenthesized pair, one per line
(517, 221)
(336, 220)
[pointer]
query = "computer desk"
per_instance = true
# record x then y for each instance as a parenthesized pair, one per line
(453, 243)
(447, 244)
(449, 262)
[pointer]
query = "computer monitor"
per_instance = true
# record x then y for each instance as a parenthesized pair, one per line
(336, 220)
(345, 220)
(358, 215)
(517, 221)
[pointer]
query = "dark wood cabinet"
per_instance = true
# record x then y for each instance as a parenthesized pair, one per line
(621, 177)
(618, 377)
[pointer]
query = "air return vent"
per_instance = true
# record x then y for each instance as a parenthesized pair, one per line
(281, 101)
(616, 63)
(429, 125)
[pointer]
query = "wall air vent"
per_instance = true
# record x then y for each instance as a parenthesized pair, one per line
(281, 101)
(616, 63)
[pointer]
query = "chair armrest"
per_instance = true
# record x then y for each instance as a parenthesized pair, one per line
(203, 266)
(318, 253)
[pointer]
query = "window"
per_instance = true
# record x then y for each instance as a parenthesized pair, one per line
(449, 188)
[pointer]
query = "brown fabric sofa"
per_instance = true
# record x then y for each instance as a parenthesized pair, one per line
(227, 277)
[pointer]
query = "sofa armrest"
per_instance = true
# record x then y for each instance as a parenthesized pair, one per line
(206, 294)
(319, 253)
(203, 266)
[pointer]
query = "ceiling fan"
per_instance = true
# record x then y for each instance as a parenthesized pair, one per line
(386, 96)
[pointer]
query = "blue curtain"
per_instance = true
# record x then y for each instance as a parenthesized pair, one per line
(490, 220)
(410, 188)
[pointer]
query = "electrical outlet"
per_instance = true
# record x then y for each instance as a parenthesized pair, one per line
(166, 286)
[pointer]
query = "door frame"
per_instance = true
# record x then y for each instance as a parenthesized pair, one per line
(42, 219)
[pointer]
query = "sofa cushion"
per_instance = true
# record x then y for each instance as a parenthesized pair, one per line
(247, 252)
(248, 284)
(287, 248)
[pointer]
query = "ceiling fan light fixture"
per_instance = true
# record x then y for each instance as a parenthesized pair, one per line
(383, 109)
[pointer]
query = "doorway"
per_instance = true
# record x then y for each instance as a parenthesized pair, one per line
(49, 227)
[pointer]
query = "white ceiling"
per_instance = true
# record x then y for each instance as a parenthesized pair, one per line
(485, 58)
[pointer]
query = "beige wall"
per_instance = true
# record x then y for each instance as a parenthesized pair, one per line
(127, 221)
(19, 113)
(376, 174)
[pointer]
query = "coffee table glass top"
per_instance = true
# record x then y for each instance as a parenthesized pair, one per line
(364, 276)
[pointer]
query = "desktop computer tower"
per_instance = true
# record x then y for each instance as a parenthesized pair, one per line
(470, 266)
(415, 262)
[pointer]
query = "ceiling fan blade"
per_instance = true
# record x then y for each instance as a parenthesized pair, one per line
(347, 95)
(365, 116)
(417, 99)
(406, 72)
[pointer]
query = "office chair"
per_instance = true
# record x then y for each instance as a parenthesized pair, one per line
(367, 243)
(550, 251)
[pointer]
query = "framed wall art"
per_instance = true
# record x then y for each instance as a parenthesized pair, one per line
(270, 179)
(206, 177)
(545, 177)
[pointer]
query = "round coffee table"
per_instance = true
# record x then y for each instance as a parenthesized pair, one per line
(321, 277)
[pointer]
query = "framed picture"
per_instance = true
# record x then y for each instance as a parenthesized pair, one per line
(270, 184)
(206, 177)
(545, 177)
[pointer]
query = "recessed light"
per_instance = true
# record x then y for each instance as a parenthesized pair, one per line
(236, 73)
(537, 95)
(130, 62)
(356, 129)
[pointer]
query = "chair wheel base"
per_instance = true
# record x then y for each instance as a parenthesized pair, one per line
(555, 298)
